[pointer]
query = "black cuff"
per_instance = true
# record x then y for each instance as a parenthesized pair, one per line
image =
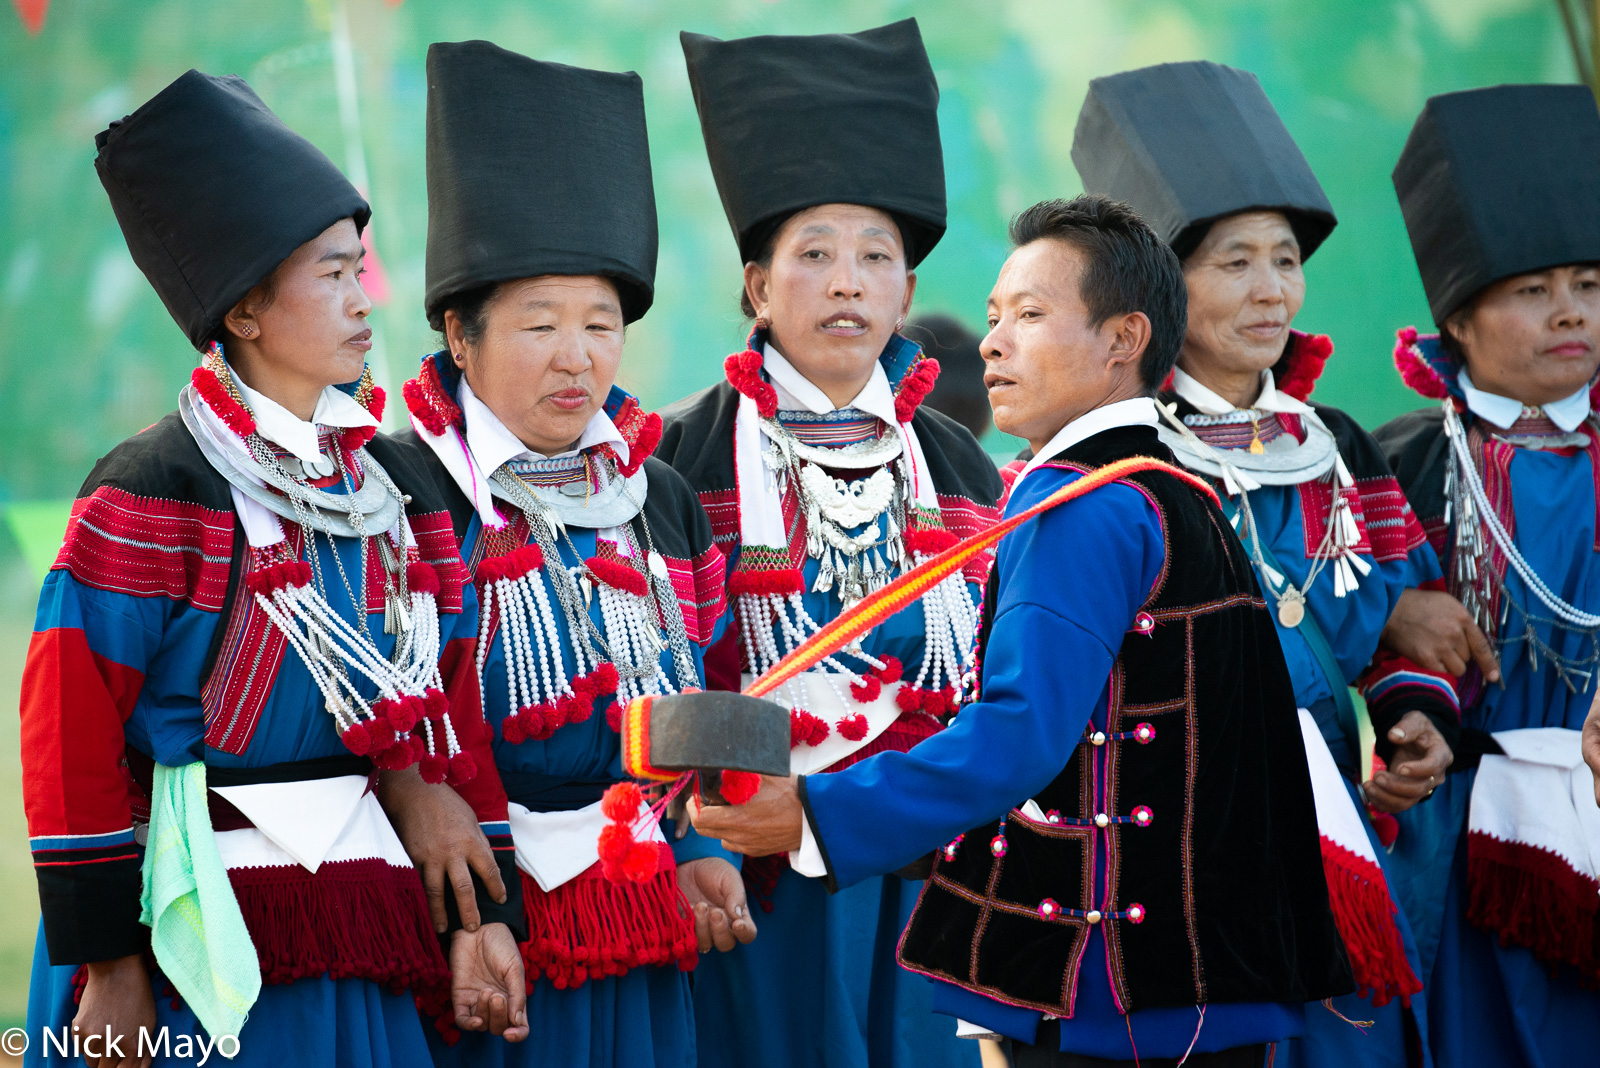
(816, 832)
(91, 911)
(512, 913)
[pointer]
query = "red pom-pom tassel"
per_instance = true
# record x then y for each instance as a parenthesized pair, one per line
(605, 678)
(621, 803)
(436, 703)
(463, 769)
(618, 575)
(432, 768)
(891, 672)
(739, 787)
(865, 690)
(853, 728)
(357, 739)
(512, 731)
(512, 565)
(421, 577)
(220, 401)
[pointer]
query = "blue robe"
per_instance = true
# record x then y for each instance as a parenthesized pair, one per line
(1352, 626)
(819, 985)
(642, 1017)
(146, 648)
(1047, 663)
(1487, 1003)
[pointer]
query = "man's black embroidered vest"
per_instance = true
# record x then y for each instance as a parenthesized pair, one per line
(1213, 886)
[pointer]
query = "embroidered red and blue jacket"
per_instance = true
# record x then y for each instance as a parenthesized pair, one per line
(145, 647)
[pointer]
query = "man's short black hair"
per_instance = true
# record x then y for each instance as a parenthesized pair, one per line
(1130, 269)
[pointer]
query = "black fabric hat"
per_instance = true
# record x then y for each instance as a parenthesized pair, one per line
(536, 168)
(1186, 144)
(841, 118)
(1498, 182)
(213, 191)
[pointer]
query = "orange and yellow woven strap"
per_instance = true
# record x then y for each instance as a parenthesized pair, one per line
(636, 742)
(876, 607)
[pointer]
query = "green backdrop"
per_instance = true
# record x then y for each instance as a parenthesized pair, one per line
(89, 356)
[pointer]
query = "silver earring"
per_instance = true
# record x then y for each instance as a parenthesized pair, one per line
(761, 322)
(900, 322)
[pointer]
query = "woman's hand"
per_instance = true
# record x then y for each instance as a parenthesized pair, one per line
(1432, 630)
(715, 891)
(116, 1001)
(441, 835)
(488, 988)
(1416, 767)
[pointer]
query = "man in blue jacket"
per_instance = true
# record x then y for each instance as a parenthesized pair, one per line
(1122, 825)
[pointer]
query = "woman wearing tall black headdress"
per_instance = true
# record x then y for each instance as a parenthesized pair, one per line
(1199, 151)
(257, 602)
(823, 480)
(1500, 189)
(593, 561)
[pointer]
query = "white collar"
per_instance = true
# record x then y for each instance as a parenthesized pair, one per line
(1568, 413)
(492, 444)
(796, 392)
(1208, 402)
(335, 408)
(1136, 411)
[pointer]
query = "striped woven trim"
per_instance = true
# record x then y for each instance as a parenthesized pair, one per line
(833, 430)
(636, 742)
(1236, 434)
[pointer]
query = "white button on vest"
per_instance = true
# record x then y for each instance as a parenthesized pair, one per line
(1098, 738)
(1102, 820)
(1093, 916)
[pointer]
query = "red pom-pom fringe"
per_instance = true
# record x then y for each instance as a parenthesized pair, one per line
(379, 401)
(1415, 371)
(643, 445)
(916, 385)
(929, 541)
(892, 670)
(743, 370)
(221, 402)
(355, 437)
(278, 576)
(426, 399)
(853, 728)
(1306, 360)
(618, 575)
(738, 787)
(513, 565)
(765, 583)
